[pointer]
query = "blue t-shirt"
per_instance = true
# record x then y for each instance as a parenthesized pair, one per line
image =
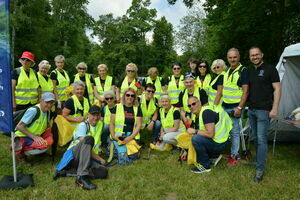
(81, 130)
(30, 114)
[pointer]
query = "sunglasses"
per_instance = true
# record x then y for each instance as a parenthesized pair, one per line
(25, 59)
(176, 68)
(217, 67)
(131, 71)
(130, 95)
(150, 91)
(202, 66)
(109, 98)
(193, 104)
(80, 68)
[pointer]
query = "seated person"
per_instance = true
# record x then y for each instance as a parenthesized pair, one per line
(82, 159)
(125, 125)
(171, 124)
(149, 106)
(76, 107)
(35, 134)
(211, 132)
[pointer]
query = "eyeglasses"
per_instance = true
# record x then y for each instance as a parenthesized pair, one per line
(82, 68)
(216, 67)
(109, 98)
(193, 104)
(176, 68)
(130, 95)
(150, 91)
(202, 66)
(131, 71)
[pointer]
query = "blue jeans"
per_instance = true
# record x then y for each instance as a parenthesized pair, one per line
(260, 122)
(156, 131)
(207, 148)
(234, 134)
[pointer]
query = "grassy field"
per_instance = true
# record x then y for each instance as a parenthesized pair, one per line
(162, 177)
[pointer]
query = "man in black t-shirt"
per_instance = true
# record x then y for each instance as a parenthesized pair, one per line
(264, 97)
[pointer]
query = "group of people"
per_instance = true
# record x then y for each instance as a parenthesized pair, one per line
(197, 111)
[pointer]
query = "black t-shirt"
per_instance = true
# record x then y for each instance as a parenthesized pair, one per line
(102, 113)
(162, 82)
(209, 116)
(129, 117)
(177, 79)
(203, 97)
(70, 105)
(82, 78)
(176, 115)
(218, 82)
(53, 75)
(243, 80)
(261, 88)
(16, 73)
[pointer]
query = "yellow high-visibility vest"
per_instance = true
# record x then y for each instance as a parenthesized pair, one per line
(147, 112)
(205, 84)
(167, 121)
(107, 85)
(125, 85)
(212, 93)
(174, 91)
(62, 83)
(88, 85)
(158, 87)
(232, 93)
(46, 86)
(186, 96)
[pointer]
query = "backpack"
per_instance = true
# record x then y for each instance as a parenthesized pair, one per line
(20, 113)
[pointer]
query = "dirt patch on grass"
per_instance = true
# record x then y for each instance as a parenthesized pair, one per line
(171, 196)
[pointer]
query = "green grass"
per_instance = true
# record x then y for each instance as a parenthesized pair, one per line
(162, 177)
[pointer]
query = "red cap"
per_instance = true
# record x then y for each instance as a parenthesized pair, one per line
(28, 55)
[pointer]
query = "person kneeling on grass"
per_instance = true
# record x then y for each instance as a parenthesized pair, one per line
(32, 131)
(82, 159)
(210, 136)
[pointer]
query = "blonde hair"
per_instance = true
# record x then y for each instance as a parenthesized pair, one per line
(151, 69)
(59, 58)
(165, 96)
(104, 66)
(218, 62)
(44, 63)
(135, 103)
(81, 64)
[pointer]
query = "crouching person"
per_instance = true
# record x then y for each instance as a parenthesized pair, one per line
(211, 132)
(33, 133)
(82, 159)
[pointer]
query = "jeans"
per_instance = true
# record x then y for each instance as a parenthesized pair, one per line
(206, 148)
(156, 131)
(235, 134)
(260, 122)
(105, 135)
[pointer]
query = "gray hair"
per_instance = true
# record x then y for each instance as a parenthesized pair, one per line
(44, 63)
(109, 92)
(59, 58)
(165, 96)
(233, 49)
(78, 83)
(218, 62)
(83, 64)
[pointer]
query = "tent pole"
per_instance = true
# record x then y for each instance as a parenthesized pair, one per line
(13, 155)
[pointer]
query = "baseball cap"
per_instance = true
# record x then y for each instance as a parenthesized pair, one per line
(48, 96)
(95, 109)
(189, 75)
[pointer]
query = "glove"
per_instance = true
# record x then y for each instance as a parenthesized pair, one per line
(138, 85)
(187, 124)
(58, 104)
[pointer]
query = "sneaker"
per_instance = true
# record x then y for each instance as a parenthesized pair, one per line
(59, 174)
(85, 183)
(258, 176)
(200, 169)
(215, 161)
(232, 162)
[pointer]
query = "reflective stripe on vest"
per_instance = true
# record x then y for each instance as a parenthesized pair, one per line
(232, 93)
(39, 126)
(147, 112)
(107, 85)
(26, 90)
(88, 85)
(120, 120)
(167, 121)
(212, 93)
(46, 86)
(186, 96)
(205, 84)
(62, 83)
(125, 85)
(158, 87)
(174, 91)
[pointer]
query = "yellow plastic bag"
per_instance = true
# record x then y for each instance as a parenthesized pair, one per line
(132, 147)
(65, 130)
(185, 141)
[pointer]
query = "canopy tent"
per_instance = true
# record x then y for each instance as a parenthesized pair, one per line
(289, 71)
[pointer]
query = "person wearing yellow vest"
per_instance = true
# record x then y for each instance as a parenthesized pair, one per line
(61, 81)
(216, 85)
(175, 84)
(35, 134)
(149, 106)
(82, 156)
(210, 133)
(45, 82)
(130, 80)
(203, 75)
(125, 125)
(235, 93)
(25, 85)
(103, 83)
(109, 98)
(76, 108)
(171, 124)
(190, 90)
(157, 81)
(87, 79)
